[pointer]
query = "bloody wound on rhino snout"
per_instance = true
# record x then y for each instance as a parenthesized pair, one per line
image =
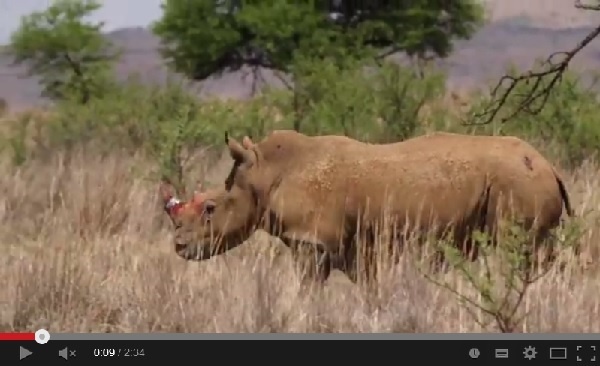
(174, 206)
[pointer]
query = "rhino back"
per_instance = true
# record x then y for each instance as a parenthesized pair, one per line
(336, 178)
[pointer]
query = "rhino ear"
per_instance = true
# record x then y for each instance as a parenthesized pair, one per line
(237, 151)
(247, 142)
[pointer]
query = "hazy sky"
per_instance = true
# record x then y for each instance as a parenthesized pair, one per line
(127, 13)
(115, 13)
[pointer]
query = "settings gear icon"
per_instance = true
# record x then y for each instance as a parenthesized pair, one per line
(529, 352)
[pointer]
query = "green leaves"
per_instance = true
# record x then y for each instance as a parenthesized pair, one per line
(70, 56)
(378, 103)
(201, 37)
(196, 38)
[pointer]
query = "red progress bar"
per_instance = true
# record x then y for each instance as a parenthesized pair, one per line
(17, 336)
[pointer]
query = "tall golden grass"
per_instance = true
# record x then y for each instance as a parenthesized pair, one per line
(85, 248)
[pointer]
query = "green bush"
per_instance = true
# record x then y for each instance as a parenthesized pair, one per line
(372, 103)
(378, 104)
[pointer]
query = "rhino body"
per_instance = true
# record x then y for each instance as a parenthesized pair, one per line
(322, 192)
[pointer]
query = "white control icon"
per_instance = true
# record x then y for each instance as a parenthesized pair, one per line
(42, 336)
(529, 353)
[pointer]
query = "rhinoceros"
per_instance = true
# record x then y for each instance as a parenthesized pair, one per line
(319, 192)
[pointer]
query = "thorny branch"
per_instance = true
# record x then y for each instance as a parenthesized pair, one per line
(535, 99)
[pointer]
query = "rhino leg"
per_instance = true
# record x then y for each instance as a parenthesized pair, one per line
(541, 254)
(360, 261)
(312, 257)
(439, 263)
(367, 267)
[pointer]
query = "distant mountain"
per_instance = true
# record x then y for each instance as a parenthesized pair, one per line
(474, 62)
(501, 43)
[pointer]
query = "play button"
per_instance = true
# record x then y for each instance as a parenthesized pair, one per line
(24, 353)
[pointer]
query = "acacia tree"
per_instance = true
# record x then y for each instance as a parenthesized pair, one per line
(71, 56)
(202, 37)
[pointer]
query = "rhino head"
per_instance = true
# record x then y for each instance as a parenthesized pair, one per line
(213, 221)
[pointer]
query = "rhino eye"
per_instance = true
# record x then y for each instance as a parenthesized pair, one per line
(209, 207)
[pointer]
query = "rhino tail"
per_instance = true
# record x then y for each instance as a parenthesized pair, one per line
(564, 194)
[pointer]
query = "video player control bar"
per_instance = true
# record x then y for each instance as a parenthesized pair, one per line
(140, 352)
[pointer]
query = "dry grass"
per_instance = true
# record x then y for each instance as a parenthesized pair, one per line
(86, 248)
